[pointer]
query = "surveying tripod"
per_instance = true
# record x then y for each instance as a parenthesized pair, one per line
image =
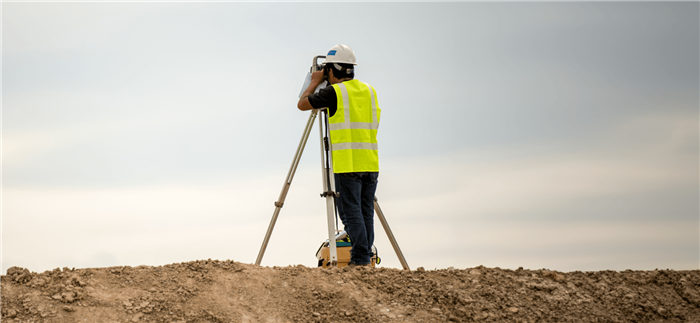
(328, 188)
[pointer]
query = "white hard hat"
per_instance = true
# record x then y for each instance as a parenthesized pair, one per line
(340, 54)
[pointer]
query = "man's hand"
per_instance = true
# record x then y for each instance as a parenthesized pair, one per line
(316, 79)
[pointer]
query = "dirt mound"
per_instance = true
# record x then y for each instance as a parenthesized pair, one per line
(228, 291)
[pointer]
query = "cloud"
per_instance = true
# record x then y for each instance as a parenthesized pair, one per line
(54, 26)
(646, 152)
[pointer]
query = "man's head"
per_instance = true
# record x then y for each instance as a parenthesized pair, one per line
(339, 70)
(339, 63)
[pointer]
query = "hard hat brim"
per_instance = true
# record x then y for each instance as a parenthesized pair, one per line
(324, 63)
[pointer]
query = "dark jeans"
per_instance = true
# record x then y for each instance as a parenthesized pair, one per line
(356, 209)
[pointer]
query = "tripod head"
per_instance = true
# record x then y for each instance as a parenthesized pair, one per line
(315, 66)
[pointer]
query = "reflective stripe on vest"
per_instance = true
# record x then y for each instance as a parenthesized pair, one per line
(354, 128)
(355, 145)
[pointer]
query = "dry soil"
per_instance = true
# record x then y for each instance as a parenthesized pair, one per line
(228, 291)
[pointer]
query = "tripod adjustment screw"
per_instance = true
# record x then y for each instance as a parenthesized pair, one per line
(330, 193)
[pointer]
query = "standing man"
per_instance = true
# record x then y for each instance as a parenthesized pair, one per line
(353, 124)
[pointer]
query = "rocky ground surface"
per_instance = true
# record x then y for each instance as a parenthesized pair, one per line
(228, 291)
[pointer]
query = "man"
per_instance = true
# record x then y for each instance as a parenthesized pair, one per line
(353, 122)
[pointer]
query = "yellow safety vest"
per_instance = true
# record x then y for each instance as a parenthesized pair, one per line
(353, 128)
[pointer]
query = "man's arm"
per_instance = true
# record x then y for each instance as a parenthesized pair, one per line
(316, 79)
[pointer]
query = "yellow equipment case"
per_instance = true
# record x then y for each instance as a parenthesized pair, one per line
(342, 247)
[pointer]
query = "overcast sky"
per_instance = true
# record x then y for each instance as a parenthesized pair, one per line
(542, 135)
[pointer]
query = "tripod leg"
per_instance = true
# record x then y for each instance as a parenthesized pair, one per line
(287, 184)
(327, 176)
(389, 234)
